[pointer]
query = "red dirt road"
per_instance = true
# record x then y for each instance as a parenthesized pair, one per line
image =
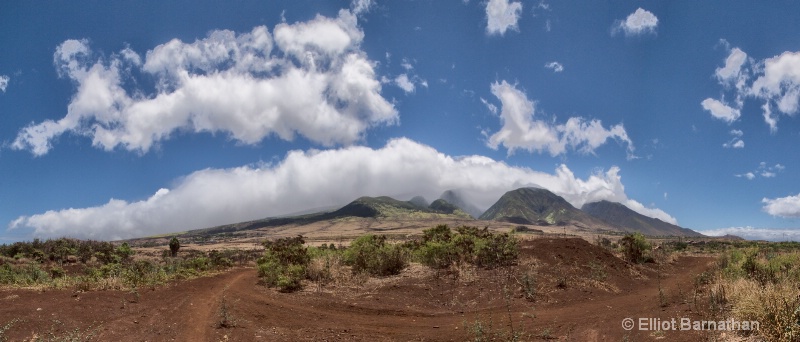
(414, 306)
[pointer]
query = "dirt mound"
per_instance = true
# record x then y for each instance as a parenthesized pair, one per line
(574, 252)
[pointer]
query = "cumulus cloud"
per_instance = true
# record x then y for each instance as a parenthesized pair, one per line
(637, 23)
(721, 110)
(787, 207)
(308, 78)
(555, 66)
(502, 15)
(779, 85)
(523, 130)
(752, 233)
(314, 178)
(4, 82)
(775, 81)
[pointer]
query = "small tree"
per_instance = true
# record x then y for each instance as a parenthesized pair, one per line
(124, 252)
(634, 247)
(174, 246)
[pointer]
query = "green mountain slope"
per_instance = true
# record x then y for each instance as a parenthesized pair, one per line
(540, 207)
(631, 221)
(446, 207)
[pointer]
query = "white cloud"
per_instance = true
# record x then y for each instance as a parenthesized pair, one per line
(361, 6)
(775, 81)
(502, 15)
(780, 83)
(406, 64)
(555, 66)
(637, 23)
(404, 83)
(763, 170)
(720, 110)
(732, 72)
(788, 206)
(314, 178)
(312, 79)
(736, 142)
(752, 233)
(748, 175)
(521, 129)
(492, 108)
(4, 82)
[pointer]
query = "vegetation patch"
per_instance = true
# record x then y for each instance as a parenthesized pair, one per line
(95, 265)
(284, 263)
(759, 284)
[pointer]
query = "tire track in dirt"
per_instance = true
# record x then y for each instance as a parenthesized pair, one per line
(202, 318)
(184, 311)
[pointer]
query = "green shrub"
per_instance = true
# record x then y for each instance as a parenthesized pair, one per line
(436, 254)
(440, 248)
(496, 250)
(635, 247)
(220, 259)
(200, 264)
(23, 275)
(284, 263)
(124, 252)
(373, 255)
(57, 272)
(440, 233)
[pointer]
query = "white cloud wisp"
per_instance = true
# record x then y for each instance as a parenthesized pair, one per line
(311, 79)
(4, 82)
(555, 66)
(403, 168)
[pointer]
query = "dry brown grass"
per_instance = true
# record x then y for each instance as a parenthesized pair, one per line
(775, 306)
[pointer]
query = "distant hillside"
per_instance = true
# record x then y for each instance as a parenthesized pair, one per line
(419, 201)
(375, 207)
(631, 221)
(539, 207)
(455, 198)
(446, 207)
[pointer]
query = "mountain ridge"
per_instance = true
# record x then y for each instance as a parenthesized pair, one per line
(631, 221)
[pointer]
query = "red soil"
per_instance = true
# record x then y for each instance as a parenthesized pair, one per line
(418, 305)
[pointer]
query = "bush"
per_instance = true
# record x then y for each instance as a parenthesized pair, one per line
(437, 254)
(124, 252)
(174, 246)
(373, 255)
(284, 263)
(635, 247)
(440, 248)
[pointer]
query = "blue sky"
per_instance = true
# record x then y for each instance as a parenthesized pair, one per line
(120, 120)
